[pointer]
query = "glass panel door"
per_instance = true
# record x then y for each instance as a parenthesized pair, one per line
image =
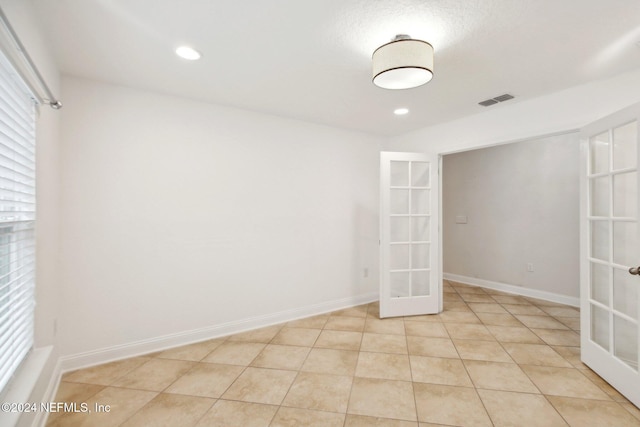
(409, 273)
(610, 238)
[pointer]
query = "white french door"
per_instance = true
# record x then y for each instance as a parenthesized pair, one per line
(409, 239)
(610, 250)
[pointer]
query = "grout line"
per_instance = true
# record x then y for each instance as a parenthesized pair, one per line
(359, 351)
(413, 383)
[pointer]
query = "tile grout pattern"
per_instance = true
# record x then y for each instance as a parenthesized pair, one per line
(489, 359)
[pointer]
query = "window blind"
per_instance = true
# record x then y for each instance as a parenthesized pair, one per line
(17, 220)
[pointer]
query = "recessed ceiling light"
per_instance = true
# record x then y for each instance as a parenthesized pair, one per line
(401, 111)
(187, 52)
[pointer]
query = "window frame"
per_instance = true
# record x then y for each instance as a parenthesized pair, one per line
(18, 112)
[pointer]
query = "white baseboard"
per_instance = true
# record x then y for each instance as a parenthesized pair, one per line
(110, 354)
(513, 289)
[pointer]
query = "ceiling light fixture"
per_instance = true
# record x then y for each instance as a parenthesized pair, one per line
(189, 53)
(401, 111)
(403, 63)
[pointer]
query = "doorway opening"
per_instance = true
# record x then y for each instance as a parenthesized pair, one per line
(510, 217)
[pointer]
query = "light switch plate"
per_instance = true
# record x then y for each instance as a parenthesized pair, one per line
(461, 219)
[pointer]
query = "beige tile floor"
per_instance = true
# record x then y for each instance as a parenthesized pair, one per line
(490, 359)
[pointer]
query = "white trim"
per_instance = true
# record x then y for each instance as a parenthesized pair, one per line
(514, 289)
(49, 395)
(439, 229)
(22, 386)
(109, 354)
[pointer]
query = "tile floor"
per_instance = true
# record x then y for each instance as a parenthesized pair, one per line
(490, 359)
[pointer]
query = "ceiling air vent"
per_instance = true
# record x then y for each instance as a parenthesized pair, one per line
(488, 102)
(495, 100)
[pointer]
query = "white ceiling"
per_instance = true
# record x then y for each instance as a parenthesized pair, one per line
(311, 59)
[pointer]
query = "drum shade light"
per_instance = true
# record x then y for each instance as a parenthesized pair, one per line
(403, 63)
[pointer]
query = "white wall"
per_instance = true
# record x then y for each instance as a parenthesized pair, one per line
(522, 206)
(179, 215)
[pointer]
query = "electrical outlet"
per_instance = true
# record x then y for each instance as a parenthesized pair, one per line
(365, 273)
(530, 267)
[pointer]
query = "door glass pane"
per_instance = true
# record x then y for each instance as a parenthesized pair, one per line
(419, 174)
(599, 150)
(626, 341)
(420, 283)
(600, 326)
(420, 228)
(625, 292)
(599, 196)
(399, 284)
(600, 240)
(600, 283)
(399, 229)
(420, 201)
(399, 255)
(399, 201)
(625, 146)
(399, 174)
(626, 248)
(420, 256)
(625, 194)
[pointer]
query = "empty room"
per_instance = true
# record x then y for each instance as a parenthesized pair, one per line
(319, 213)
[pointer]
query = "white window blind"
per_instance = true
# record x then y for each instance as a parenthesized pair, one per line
(17, 220)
